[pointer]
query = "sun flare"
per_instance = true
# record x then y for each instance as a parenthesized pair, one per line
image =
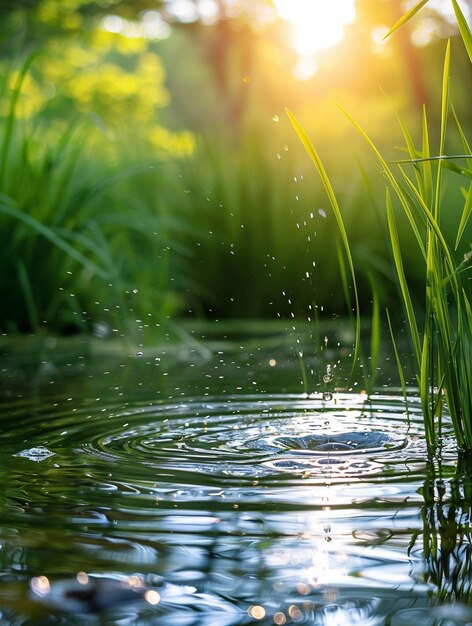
(316, 24)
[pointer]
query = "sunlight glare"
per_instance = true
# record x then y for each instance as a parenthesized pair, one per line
(316, 24)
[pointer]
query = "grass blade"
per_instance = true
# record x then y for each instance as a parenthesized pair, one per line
(393, 182)
(463, 28)
(7, 209)
(466, 211)
(339, 219)
(11, 116)
(405, 18)
(405, 292)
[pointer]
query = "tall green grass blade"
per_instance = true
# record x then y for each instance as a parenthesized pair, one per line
(303, 373)
(374, 335)
(432, 222)
(413, 152)
(405, 292)
(307, 144)
(7, 209)
(463, 137)
(11, 116)
(427, 170)
(426, 385)
(405, 18)
(443, 127)
(464, 28)
(404, 200)
(466, 211)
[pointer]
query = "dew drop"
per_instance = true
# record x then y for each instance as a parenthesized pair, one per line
(327, 396)
(275, 118)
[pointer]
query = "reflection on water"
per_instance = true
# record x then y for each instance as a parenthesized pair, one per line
(206, 489)
(445, 542)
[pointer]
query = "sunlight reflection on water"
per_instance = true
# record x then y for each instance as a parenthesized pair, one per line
(235, 508)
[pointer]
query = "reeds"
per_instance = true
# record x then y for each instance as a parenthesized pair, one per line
(442, 341)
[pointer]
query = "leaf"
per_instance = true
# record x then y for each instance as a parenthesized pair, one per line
(405, 292)
(464, 28)
(466, 211)
(405, 18)
(339, 219)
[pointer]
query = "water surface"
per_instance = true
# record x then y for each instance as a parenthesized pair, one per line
(205, 486)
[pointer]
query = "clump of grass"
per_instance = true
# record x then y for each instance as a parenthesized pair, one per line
(80, 248)
(442, 343)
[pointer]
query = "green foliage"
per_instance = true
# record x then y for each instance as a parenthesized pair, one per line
(75, 242)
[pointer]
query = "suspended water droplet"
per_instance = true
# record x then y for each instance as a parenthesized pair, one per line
(275, 118)
(286, 148)
(327, 396)
(322, 212)
(327, 378)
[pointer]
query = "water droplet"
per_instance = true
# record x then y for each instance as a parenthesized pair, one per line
(327, 396)
(139, 353)
(322, 212)
(286, 148)
(275, 118)
(327, 378)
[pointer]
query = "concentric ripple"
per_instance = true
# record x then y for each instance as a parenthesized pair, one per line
(259, 436)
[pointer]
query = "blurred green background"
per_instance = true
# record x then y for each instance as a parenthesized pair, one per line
(148, 171)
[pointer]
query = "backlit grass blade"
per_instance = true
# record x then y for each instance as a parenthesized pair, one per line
(466, 211)
(404, 200)
(412, 151)
(374, 334)
(443, 127)
(465, 143)
(405, 18)
(432, 222)
(307, 144)
(427, 170)
(405, 292)
(463, 28)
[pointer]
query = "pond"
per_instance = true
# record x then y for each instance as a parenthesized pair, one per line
(204, 485)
